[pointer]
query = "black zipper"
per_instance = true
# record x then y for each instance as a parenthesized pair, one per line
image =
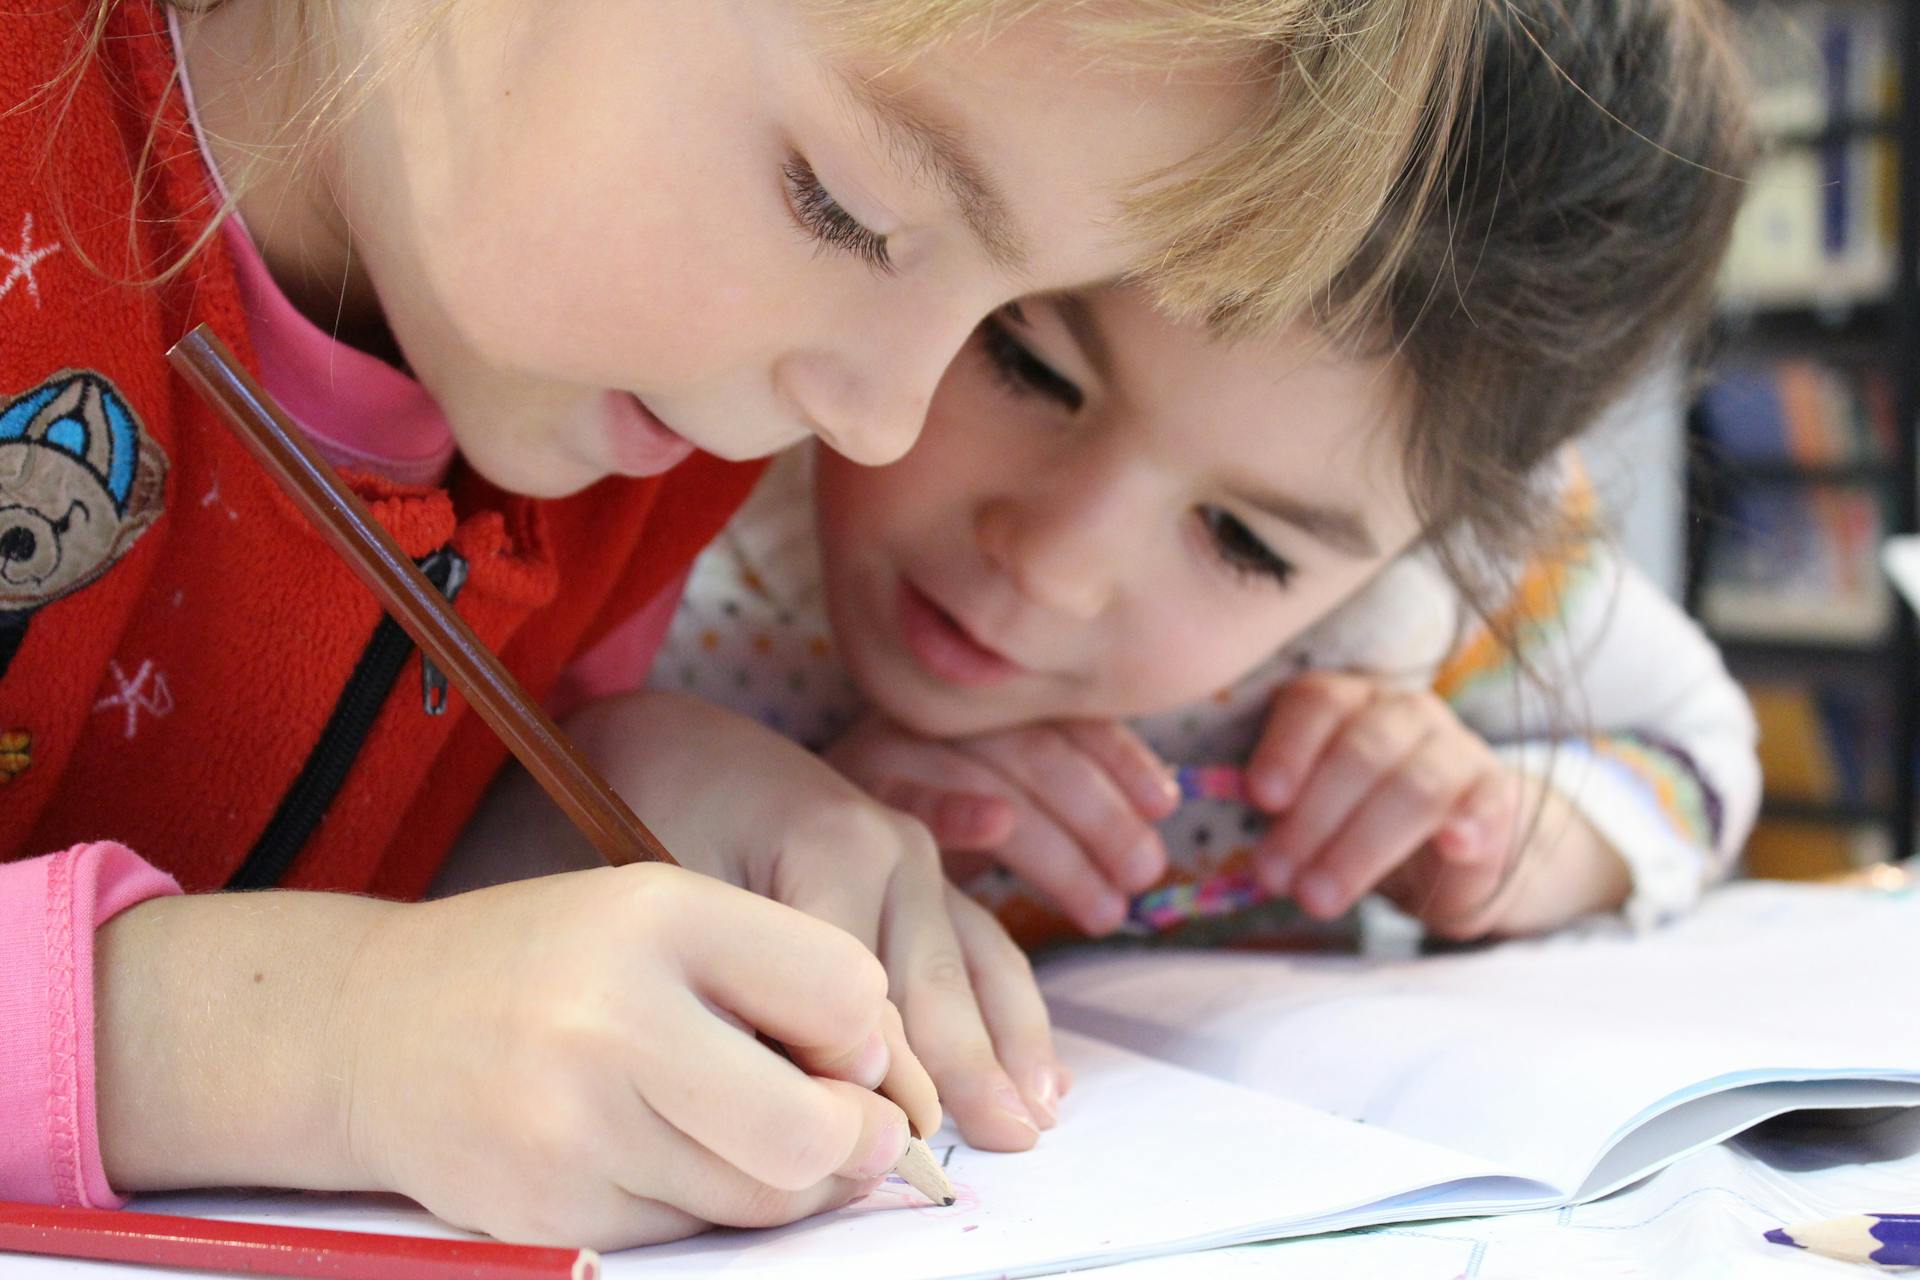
(327, 765)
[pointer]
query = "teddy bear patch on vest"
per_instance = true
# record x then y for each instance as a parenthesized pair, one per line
(80, 481)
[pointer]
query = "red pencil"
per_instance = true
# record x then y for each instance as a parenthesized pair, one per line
(250, 1248)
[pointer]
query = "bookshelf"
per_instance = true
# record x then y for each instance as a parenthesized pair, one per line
(1802, 453)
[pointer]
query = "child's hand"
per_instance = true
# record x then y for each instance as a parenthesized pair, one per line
(738, 801)
(1375, 787)
(574, 1058)
(1069, 806)
(570, 1059)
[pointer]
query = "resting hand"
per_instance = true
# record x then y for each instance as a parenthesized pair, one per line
(1068, 806)
(1375, 787)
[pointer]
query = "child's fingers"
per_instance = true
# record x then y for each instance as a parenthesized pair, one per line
(1364, 749)
(1389, 825)
(933, 986)
(1141, 775)
(1056, 865)
(960, 821)
(756, 1111)
(665, 1167)
(1304, 717)
(1082, 798)
(1015, 1014)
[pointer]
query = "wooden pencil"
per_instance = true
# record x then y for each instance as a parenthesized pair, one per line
(1885, 1239)
(257, 1249)
(442, 634)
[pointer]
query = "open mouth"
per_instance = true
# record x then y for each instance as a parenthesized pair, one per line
(641, 444)
(944, 648)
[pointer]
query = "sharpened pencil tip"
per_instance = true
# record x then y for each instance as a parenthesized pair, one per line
(1777, 1236)
(946, 1202)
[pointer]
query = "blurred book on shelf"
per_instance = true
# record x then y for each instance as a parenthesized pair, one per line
(1797, 564)
(1826, 777)
(1800, 410)
(1794, 552)
(1819, 227)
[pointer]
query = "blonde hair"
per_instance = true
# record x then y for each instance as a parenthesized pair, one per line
(1345, 149)
(1360, 94)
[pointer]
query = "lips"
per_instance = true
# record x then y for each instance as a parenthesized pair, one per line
(943, 648)
(639, 443)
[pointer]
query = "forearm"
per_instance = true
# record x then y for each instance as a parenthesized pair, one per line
(224, 1040)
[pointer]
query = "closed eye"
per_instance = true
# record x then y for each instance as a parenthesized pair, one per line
(1023, 372)
(1240, 548)
(827, 222)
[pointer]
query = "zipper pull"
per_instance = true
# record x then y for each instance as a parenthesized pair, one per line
(447, 570)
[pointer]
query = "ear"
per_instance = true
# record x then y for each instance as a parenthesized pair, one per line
(146, 500)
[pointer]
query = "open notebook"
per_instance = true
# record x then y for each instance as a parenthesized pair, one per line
(1225, 1098)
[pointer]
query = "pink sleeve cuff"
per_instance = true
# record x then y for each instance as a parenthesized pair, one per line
(49, 909)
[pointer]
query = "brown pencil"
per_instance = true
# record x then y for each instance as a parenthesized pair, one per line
(443, 635)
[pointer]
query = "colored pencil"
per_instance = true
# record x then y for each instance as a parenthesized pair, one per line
(1888, 1239)
(256, 1249)
(426, 615)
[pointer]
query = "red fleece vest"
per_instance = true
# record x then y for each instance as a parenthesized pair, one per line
(175, 639)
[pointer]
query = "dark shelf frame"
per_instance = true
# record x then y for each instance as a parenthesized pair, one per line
(1889, 326)
(1852, 813)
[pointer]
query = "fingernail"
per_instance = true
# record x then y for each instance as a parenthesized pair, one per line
(1145, 861)
(1044, 1096)
(886, 1151)
(1109, 913)
(1318, 893)
(1008, 1099)
(1271, 788)
(870, 1068)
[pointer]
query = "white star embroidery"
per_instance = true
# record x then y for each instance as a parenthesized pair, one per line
(134, 695)
(25, 261)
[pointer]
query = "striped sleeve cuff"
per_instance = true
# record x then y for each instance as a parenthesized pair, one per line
(1648, 801)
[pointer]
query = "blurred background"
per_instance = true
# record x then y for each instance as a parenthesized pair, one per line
(1763, 496)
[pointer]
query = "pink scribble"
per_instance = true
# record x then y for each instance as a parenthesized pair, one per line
(894, 1193)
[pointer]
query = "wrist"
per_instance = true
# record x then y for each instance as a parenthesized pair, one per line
(1567, 869)
(226, 1037)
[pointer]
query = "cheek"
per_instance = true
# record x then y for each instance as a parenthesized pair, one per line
(1184, 649)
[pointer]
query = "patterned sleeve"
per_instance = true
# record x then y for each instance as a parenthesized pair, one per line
(1611, 693)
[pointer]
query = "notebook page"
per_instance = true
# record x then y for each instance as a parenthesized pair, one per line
(1148, 1159)
(1534, 1056)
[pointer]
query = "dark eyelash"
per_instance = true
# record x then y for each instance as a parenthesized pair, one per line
(1023, 372)
(821, 217)
(1241, 550)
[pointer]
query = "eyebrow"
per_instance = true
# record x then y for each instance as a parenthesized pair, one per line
(939, 150)
(1336, 527)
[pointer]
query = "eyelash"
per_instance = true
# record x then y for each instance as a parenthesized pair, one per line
(1023, 372)
(1239, 549)
(822, 217)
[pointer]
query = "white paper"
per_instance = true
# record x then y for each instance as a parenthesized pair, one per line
(1223, 1098)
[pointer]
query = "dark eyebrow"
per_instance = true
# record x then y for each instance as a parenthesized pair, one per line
(938, 150)
(1338, 528)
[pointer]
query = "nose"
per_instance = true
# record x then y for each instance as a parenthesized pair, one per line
(866, 395)
(1067, 547)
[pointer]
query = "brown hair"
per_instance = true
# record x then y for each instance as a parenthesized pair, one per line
(1593, 180)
